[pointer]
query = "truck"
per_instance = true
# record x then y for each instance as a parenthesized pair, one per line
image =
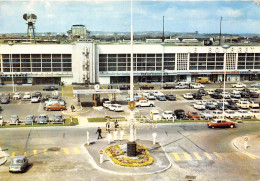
(144, 103)
(203, 80)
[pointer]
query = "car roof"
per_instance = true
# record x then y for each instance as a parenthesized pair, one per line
(19, 157)
(43, 115)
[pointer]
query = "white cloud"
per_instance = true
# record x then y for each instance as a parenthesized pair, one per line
(229, 13)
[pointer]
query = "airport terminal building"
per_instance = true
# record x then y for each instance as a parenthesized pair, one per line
(90, 62)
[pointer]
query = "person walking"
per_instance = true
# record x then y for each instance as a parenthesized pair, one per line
(116, 124)
(99, 131)
(108, 126)
(72, 108)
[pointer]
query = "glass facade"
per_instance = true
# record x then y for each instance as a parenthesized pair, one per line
(37, 62)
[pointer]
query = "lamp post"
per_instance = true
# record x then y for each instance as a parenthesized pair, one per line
(162, 64)
(225, 47)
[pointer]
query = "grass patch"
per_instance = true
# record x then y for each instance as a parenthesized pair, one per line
(67, 123)
(105, 120)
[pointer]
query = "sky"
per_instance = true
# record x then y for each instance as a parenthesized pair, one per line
(114, 16)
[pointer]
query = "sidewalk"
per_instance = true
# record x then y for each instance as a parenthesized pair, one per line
(161, 161)
(253, 145)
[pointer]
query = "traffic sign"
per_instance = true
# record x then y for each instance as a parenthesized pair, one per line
(101, 152)
(132, 105)
(246, 138)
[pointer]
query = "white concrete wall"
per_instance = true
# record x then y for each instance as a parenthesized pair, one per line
(104, 80)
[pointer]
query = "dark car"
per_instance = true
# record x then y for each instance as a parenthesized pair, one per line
(170, 97)
(254, 95)
(219, 90)
(210, 106)
(18, 164)
(197, 95)
(216, 95)
(220, 106)
(202, 92)
(50, 88)
(168, 86)
(4, 100)
(161, 98)
(124, 87)
(146, 87)
(38, 94)
(233, 106)
(180, 114)
(57, 118)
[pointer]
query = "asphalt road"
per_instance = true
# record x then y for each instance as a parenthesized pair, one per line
(197, 153)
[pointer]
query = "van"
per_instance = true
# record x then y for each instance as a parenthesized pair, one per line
(203, 80)
(155, 115)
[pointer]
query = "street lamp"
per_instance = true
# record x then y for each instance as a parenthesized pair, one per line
(162, 64)
(225, 47)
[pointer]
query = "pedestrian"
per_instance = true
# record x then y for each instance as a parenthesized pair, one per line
(108, 126)
(72, 108)
(116, 124)
(99, 131)
(78, 101)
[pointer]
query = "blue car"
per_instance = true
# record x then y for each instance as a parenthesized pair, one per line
(256, 85)
(161, 98)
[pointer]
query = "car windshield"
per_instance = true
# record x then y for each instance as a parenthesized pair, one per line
(155, 113)
(42, 116)
(15, 161)
(194, 113)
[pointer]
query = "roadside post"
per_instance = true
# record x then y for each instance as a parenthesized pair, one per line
(154, 137)
(109, 136)
(101, 153)
(121, 135)
(87, 137)
(246, 139)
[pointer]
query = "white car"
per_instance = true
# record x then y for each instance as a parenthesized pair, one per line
(217, 114)
(243, 104)
(27, 95)
(2, 121)
(17, 95)
(197, 86)
(225, 95)
(211, 91)
(155, 115)
(107, 104)
(145, 103)
(145, 94)
(203, 102)
(238, 85)
(151, 96)
(188, 96)
(199, 106)
(243, 114)
(35, 99)
(231, 114)
(254, 104)
(116, 108)
(168, 115)
(254, 113)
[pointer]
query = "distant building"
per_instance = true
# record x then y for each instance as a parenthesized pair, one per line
(78, 31)
(193, 40)
(153, 40)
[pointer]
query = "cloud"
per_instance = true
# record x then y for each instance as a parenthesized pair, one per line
(229, 12)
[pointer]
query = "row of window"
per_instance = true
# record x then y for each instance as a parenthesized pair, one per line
(181, 61)
(36, 63)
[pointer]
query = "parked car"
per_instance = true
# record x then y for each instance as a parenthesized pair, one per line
(236, 95)
(233, 106)
(145, 93)
(216, 95)
(2, 122)
(231, 114)
(225, 95)
(55, 107)
(243, 104)
(193, 115)
(253, 104)
(151, 96)
(18, 164)
(43, 119)
(29, 119)
(188, 96)
(210, 91)
(17, 95)
(254, 113)
(206, 114)
(27, 95)
(238, 85)
(50, 88)
(161, 98)
(257, 85)
(202, 92)
(168, 86)
(244, 114)
(221, 107)
(38, 94)
(4, 100)
(221, 123)
(197, 96)
(168, 115)
(57, 118)
(155, 115)
(116, 108)
(180, 114)
(170, 97)
(210, 106)
(199, 106)
(146, 86)
(144, 103)
(35, 99)
(181, 86)
(14, 120)
(197, 86)
(217, 114)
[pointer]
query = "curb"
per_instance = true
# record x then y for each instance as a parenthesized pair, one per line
(128, 174)
(242, 151)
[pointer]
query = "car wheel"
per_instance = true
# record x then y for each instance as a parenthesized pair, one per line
(212, 127)
(49, 109)
(114, 110)
(151, 105)
(61, 109)
(231, 126)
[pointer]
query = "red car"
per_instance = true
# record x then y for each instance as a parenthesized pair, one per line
(193, 115)
(55, 107)
(219, 123)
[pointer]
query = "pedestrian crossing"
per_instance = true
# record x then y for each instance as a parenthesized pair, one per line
(202, 156)
(60, 151)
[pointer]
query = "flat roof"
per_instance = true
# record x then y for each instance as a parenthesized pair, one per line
(99, 91)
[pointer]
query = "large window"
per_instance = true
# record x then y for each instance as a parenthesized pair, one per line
(169, 61)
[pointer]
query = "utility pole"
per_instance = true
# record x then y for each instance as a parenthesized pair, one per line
(163, 31)
(220, 30)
